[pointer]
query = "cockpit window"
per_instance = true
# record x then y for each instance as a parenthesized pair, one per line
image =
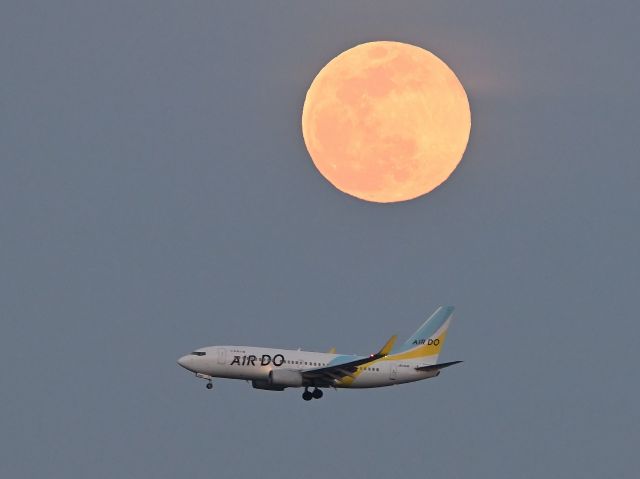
(198, 353)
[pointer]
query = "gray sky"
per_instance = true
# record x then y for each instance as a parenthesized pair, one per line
(156, 196)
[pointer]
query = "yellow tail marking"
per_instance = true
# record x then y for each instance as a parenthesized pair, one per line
(332, 351)
(431, 348)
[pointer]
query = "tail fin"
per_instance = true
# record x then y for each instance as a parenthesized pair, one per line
(429, 338)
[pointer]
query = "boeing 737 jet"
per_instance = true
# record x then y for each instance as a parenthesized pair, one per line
(277, 369)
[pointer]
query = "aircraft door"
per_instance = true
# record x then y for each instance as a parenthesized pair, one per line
(393, 371)
(222, 356)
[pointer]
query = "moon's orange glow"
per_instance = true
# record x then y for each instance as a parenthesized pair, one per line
(386, 121)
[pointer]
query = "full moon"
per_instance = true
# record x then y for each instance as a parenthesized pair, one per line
(386, 121)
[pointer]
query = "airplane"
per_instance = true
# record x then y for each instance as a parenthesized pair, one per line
(277, 369)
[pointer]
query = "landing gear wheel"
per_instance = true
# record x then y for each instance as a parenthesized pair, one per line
(307, 396)
(317, 393)
(209, 385)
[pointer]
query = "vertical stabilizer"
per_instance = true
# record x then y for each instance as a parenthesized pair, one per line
(429, 338)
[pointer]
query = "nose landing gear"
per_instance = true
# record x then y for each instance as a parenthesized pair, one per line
(207, 378)
(308, 395)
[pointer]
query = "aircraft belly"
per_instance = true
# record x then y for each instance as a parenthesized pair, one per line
(364, 381)
(363, 385)
(375, 380)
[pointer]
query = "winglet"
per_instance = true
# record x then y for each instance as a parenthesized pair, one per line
(332, 351)
(386, 349)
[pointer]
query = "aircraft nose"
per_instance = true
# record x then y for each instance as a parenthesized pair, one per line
(184, 362)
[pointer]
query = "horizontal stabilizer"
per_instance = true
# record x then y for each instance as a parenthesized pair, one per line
(437, 367)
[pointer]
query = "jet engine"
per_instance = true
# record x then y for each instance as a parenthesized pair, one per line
(286, 378)
(259, 384)
(279, 379)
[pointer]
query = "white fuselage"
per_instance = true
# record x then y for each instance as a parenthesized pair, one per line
(256, 363)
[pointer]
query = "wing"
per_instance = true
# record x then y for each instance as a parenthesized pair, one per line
(328, 375)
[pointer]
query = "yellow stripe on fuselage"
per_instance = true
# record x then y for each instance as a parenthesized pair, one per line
(348, 380)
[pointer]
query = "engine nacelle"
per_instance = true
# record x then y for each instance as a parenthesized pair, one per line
(266, 385)
(285, 378)
(278, 380)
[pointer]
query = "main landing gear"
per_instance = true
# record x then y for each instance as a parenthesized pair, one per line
(308, 395)
(209, 385)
